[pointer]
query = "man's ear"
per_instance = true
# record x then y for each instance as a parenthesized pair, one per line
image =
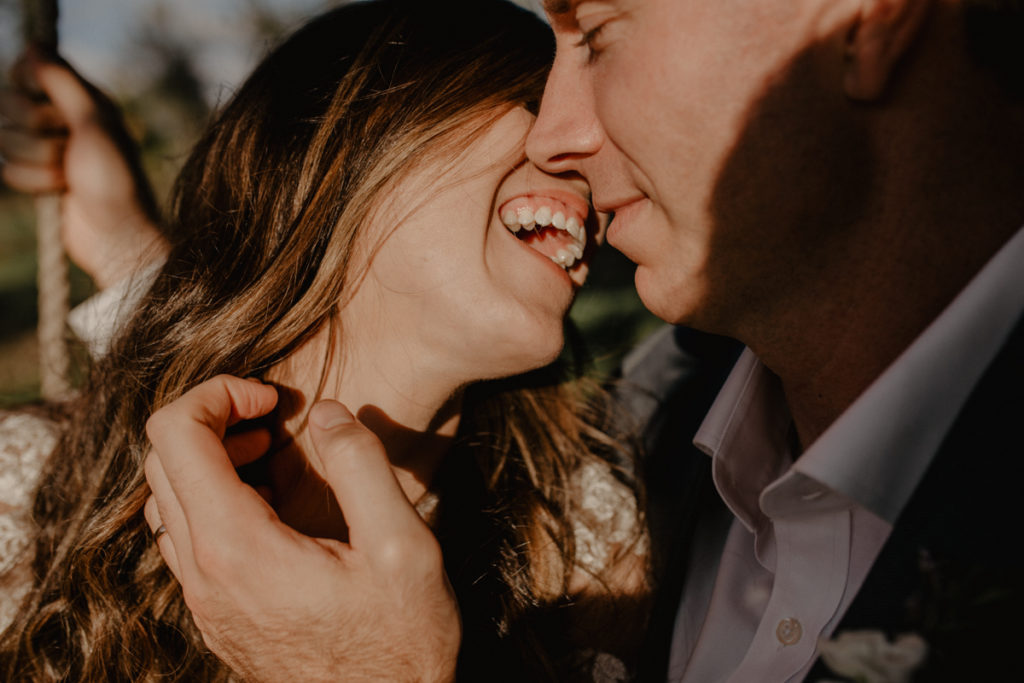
(880, 37)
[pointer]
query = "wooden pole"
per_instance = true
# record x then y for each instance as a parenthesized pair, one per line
(41, 29)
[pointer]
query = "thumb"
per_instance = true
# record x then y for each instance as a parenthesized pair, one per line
(356, 467)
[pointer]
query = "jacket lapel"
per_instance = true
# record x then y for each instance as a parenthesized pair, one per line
(950, 570)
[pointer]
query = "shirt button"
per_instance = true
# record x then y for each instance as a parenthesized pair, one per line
(789, 631)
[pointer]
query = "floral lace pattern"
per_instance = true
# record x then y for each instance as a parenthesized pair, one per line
(608, 519)
(25, 442)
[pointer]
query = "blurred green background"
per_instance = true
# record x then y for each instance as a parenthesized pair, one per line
(168, 65)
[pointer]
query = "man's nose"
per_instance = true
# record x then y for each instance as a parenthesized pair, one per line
(567, 130)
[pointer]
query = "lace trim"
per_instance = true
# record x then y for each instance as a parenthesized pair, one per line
(25, 442)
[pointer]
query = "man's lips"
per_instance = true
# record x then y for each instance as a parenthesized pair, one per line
(623, 216)
(616, 205)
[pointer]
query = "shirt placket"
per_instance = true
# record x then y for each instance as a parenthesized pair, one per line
(812, 563)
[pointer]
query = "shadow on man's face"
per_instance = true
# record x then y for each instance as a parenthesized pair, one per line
(796, 182)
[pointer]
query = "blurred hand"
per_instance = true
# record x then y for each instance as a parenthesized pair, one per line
(61, 134)
(274, 604)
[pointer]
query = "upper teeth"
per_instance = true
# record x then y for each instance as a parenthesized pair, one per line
(525, 218)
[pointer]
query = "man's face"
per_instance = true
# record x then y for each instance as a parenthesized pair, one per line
(649, 100)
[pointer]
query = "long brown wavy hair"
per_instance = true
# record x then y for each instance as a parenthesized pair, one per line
(264, 217)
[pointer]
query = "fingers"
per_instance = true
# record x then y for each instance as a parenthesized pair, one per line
(33, 162)
(73, 98)
(246, 399)
(358, 470)
(52, 103)
(33, 136)
(20, 111)
(162, 507)
(41, 150)
(33, 179)
(213, 406)
(164, 542)
(248, 446)
(187, 441)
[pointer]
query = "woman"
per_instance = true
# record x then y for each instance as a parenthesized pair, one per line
(360, 223)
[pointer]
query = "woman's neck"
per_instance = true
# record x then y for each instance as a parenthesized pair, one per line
(415, 416)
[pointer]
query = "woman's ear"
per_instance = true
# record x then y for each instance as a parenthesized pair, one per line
(880, 37)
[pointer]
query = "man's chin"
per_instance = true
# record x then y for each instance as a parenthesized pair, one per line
(671, 304)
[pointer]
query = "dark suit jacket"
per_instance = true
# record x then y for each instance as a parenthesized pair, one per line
(951, 571)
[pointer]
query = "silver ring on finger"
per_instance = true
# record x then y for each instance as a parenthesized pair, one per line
(158, 532)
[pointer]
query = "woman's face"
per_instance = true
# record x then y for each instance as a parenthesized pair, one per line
(476, 260)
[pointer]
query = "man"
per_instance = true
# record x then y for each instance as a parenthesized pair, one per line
(836, 184)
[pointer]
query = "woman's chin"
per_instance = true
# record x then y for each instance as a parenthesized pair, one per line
(527, 358)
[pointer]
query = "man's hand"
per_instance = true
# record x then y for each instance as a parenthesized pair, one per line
(279, 606)
(58, 133)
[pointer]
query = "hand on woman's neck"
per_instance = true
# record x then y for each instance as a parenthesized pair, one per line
(416, 420)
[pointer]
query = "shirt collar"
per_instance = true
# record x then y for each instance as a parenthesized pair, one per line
(877, 451)
(746, 433)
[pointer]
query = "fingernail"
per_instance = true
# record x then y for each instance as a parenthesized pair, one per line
(330, 414)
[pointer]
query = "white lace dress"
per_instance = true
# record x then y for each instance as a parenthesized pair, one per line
(25, 442)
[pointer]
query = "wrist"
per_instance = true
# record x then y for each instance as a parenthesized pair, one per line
(128, 256)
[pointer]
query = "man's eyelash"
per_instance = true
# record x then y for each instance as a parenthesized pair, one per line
(587, 41)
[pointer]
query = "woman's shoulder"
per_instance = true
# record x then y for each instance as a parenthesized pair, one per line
(26, 439)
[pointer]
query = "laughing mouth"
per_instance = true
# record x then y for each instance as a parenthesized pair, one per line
(548, 226)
